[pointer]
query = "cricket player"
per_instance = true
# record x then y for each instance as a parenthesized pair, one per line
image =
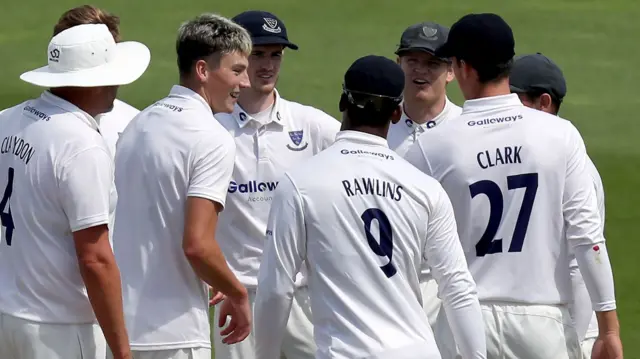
(272, 135)
(115, 119)
(58, 274)
(363, 223)
(540, 84)
(522, 196)
(425, 105)
(173, 166)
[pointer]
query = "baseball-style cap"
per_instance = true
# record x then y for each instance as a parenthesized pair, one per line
(87, 56)
(425, 36)
(535, 73)
(376, 76)
(480, 39)
(265, 28)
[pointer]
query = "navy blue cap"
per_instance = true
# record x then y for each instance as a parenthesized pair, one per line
(480, 39)
(537, 73)
(425, 36)
(375, 75)
(264, 28)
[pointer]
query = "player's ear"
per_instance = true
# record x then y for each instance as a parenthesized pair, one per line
(545, 102)
(450, 74)
(396, 115)
(201, 69)
(342, 105)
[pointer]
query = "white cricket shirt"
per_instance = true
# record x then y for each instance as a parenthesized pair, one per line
(56, 178)
(515, 177)
(405, 132)
(113, 123)
(266, 145)
(364, 221)
(584, 317)
(172, 150)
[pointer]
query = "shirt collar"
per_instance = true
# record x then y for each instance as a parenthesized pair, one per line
(243, 118)
(493, 102)
(412, 127)
(71, 109)
(361, 138)
(189, 94)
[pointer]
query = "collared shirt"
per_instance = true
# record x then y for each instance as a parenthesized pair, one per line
(113, 123)
(172, 150)
(515, 177)
(405, 132)
(56, 178)
(364, 221)
(289, 135)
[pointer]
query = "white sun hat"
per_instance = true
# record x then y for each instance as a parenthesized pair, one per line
(87, 56)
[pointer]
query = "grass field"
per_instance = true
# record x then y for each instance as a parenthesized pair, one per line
(595, 42)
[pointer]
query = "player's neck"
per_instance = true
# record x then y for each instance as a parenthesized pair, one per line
(255, 102)
(420, 111)
(491, 89)
(81, 100)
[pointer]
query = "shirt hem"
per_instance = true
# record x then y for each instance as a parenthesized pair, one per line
(171, 346)
(89, 222)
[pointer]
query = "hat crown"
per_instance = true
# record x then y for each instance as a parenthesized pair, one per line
(81, 47)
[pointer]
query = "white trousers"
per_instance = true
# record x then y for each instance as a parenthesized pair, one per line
(24, 339)
(188, 353)
(298, 342)
(519, 332)
(430, 301)
(587, 347)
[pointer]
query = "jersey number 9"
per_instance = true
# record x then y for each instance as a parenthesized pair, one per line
(385, 248)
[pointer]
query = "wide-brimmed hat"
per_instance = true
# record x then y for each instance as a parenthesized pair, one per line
(88, 56)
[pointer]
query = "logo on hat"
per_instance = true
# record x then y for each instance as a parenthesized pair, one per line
(54, 55)
(271, 25)
(430, 32)
(296, 138)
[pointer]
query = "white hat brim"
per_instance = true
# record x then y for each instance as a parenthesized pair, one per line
(130, 62)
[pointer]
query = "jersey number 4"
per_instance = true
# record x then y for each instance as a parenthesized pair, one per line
(385, 247)
(5, 217)
(488, 244)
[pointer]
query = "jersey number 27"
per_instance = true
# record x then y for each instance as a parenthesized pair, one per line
(488, 244)
(5, 217)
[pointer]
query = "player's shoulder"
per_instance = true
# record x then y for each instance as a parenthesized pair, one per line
(310, 114)
(124, 109)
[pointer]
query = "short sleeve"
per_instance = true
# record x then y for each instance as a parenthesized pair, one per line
(212, 166)
(85, 182)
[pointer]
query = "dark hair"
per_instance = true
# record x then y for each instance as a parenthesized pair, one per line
(88, 14)
(493, 72)
(375, 111)
(533, 94)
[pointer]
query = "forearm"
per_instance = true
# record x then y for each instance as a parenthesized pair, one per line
(598, 277)
(210, 265)
(102, 280)
(465, 317)
(581, 308)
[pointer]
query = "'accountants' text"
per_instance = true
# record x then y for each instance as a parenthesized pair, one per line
(372, 186)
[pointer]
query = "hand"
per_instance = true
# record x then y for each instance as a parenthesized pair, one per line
(607, 346)
(215, 297)
(240, 325)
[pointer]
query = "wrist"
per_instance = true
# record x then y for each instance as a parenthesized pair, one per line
(238, 293)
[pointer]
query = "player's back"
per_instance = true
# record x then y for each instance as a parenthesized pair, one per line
(155, 161)
(39, 141)
(504, 167)
(366, 212)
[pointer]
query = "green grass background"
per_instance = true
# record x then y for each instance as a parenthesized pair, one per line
(595, 42)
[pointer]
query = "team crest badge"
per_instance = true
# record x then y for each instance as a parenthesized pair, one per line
(296, 137)
(429, 32)
(271, 25)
